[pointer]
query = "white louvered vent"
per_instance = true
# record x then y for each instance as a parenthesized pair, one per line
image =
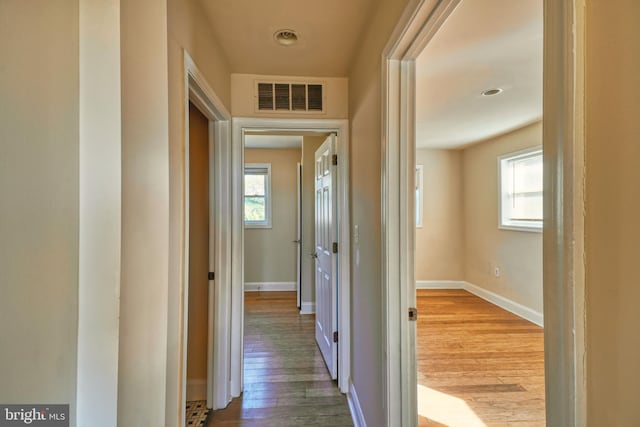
(290, 97)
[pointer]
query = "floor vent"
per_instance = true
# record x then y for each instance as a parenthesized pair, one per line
(290, 97)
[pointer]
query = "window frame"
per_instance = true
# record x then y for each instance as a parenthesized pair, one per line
(267, 223)
(533, 226)
(419, 177)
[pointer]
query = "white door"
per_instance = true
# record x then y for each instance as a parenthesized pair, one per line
(325, 254)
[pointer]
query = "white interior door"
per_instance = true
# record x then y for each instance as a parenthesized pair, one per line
(326, 254)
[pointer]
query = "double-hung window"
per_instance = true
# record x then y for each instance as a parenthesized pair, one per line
(520, 184)
(257, 195)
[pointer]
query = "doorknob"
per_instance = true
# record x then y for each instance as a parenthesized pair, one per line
(295, 241)
(313, 255)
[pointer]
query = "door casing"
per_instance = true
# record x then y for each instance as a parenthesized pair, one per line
(306, 126)
(563, 235)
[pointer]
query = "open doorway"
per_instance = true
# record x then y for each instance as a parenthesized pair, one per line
(563, 295)
(479, 215)
(339, 333)
(201, 226)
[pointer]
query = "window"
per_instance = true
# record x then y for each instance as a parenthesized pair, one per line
(419, 197)
(257, 195)
(520, 179)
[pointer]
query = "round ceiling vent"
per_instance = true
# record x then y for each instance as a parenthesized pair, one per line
(285, 37)
(491, 92)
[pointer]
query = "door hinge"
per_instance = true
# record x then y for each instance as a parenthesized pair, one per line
(212, 275)
(335, 247)
(334, 160)
(413, 314)
(335, 336)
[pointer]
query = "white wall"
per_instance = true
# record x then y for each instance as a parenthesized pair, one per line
(145, 214)
(244, 103)
(269, 253)
(39, 208)
(100, 212)
(439, 242)
(518, 254)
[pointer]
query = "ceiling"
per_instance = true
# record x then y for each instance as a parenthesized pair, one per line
(484, 44)
(328, 32)
(272, 141)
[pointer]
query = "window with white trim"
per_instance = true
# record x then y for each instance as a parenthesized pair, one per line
(419, 196)
(257, 195)
(520, 183)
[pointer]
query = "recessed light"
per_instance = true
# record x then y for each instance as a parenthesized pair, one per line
(491, 92)
(286, 37)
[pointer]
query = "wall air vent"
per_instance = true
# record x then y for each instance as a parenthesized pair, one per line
(281, 97)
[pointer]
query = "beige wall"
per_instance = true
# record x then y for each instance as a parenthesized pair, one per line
(439, 242)
(310, 145)
(612, 211)
(518, 254)
(39, 180)
(198, 247)
(188, 30)
(269, 253)
(367, 359)
(244, 104)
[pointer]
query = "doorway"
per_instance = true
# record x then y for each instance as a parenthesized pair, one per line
(242, 128)
(562, 289)
(201, 226)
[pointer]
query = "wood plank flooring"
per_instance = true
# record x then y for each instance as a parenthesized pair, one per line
(286, 380)
(478, 365)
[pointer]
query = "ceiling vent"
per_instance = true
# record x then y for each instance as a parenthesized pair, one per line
(290, 97)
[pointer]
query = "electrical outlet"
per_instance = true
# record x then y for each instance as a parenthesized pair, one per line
(496, 271)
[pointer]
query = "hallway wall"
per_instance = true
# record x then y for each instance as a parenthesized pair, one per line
(367, 355)
(270, 254)
(612, 229)
(39, 212)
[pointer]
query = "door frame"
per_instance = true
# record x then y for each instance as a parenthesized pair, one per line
(299, 235)
(239, 127)
(563, 236)
(198, 91)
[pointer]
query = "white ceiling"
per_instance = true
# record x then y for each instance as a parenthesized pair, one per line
(484, 44)
(328, 31)
(273, 141)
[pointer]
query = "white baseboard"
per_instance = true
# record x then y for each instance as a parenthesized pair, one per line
(307, 307)
(354, 407)
(269, 286)
(196, 390)
(502, 302)
(439, 284)
(505, 303)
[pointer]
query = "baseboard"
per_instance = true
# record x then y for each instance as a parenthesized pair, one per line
(502, 302)
(354, 407)
(307, 308)
(269, 286)
(196, 390)
(505, 303)
(439, 284)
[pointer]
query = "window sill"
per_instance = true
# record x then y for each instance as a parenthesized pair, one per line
(257, 225)
(528, 229)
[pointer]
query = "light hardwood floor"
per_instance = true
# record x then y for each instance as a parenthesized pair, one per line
(478, 365)
(286, 381)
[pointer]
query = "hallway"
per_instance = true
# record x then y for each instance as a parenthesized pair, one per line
(285, 380)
